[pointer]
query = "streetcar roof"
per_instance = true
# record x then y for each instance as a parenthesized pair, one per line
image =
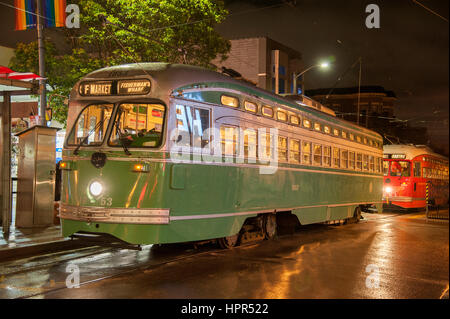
(172, 77)
(411, 151)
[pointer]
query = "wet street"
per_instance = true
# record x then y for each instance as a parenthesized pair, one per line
(390, 255)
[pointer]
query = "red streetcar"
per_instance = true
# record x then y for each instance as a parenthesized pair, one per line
(411, 173)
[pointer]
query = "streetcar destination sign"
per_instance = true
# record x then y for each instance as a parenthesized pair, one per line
(133, 87)
(116, 87)
(95, 88)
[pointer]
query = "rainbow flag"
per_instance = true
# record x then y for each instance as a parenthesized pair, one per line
(25, 17)
(53, 13)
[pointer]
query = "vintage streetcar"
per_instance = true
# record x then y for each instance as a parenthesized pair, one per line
(161, 153)
(414, 175)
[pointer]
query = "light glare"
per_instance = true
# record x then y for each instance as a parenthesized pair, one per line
(96, 188)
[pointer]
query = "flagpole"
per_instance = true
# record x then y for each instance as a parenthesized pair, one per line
(41, 48)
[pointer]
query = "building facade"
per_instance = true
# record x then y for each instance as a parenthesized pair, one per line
(264, 62)
(375, 103)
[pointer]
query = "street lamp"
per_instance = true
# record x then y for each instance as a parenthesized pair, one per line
(322, 65)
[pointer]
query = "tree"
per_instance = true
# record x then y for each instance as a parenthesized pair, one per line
(175, 31)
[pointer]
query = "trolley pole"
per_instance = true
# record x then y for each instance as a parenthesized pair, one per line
(41, 48)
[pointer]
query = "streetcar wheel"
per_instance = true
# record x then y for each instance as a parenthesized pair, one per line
(270, 226)
(228, 242)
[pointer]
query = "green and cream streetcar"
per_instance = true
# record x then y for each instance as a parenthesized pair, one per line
(163, 153)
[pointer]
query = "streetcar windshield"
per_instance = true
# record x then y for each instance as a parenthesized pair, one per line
(91, 125)
(400, 168)
(138, 125)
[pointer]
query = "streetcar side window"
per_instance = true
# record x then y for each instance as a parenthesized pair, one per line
(293, 119)
(377, 164)
(365, 162)
(317, 126)
(229, 138)
(416, 169)
(282, 116)
(336, 157)
(267, 111)
(327, 155)
(371, 163)
(359, 161)
(351, 160)
(192, 126)
(282, 148)
(344, 159)
(250, 106)
(266, 141)
(229, 100)
(306, 152)
(294, 150)
(250, 144)
(317, 159)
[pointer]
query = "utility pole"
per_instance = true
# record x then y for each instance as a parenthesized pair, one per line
(41, 48)
(359, 91)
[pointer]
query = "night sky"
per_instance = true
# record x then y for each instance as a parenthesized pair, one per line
(408, 54)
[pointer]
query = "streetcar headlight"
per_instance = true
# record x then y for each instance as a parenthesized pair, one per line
(388, 189)
(95, 188)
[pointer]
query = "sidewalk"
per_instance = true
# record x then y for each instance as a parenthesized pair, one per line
(23, 243)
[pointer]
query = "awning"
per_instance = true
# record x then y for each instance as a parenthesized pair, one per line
(7, 73)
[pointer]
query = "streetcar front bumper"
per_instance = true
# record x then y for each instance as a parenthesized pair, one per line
(115, 215)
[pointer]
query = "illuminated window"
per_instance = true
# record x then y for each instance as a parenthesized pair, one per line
(282, 148)
(229, 101)
(317, 158)
(352, 136)
(371, 163)
(282, 116)
(359, 161)
(317, 126)
(294, 120)
(306, 123)
(378, 164)
(365, 140)
(250, 106)
(306, 152)
(250, 143)
(358, 139)
(326, 129)
(327, 155)
(351, 160)
(294, 150)
(344, 134)
(141, 125)
(267, 111)
(336, 132)
(365, 162)
(336, 157)
(344, 159)
(229, 137)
